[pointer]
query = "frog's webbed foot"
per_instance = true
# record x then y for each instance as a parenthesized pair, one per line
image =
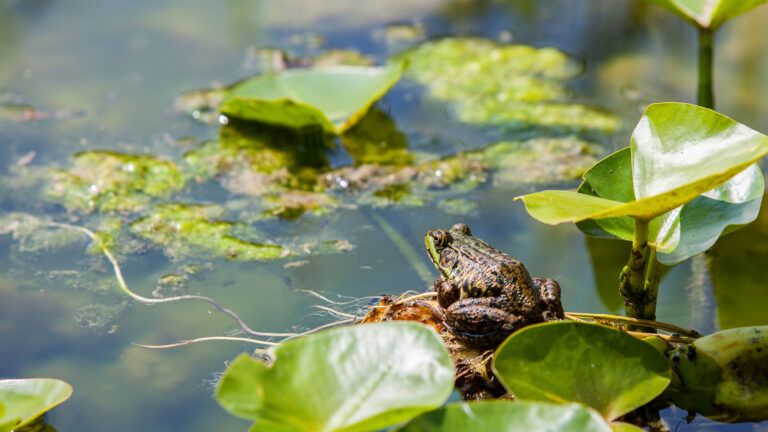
(482, 321)
(549, 292)
(447, 292)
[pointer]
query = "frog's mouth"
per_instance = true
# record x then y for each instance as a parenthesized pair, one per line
(429, 244)
(434, 254)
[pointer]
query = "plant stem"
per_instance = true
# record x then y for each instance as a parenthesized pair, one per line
(706, 97)
(651, 288)
(632, 278)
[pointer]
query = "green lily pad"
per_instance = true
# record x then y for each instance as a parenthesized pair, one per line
(184, 230)
(709, 13)
(603, 368)
(334, 98)
(112, 181)
(514, 86)
(24, 400)
(509, 416)
(357, 378)
(678, 152)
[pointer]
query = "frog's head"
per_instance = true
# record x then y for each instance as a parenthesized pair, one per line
(442, 247)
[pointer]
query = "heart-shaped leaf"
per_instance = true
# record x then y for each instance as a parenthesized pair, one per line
(603, 368)
(678, 152)
(509, 416)
(24, 400)
(685, 231)
(334, 98)
(709, 13)
(357, 378)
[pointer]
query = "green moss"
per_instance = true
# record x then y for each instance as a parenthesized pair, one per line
(114, 182)
(194, 230)
(507, 85)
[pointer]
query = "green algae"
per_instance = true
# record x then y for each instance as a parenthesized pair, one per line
(515, 86)
(539, 160)
(108, 181)
(187, 230)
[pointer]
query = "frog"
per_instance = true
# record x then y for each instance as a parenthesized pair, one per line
(486, 294)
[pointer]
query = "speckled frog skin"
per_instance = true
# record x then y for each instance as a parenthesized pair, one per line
(485, 293)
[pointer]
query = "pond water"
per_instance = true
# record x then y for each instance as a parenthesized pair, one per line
(106, 74)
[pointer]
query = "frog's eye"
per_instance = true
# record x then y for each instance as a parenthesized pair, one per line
(440, 238)
(461, 228)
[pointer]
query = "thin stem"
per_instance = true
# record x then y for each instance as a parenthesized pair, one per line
(632, 278)
(635, 322)
(668, 338)
(706, 97)
(651, 288)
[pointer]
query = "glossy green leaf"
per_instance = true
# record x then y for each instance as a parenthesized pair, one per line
(683, 232)
(334, 98)
(564, 361)
(24, 400)
(509, 416)
(678, 152)
(709, 13)
(356, 378)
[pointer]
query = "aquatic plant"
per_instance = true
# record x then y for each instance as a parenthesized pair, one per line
(603, 368)
(684, 163)
(707, 16)
(358, 378)
(331, 98)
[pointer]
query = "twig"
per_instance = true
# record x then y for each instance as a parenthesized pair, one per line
(634, 321)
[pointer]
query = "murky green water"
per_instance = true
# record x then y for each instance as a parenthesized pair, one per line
(108, 73)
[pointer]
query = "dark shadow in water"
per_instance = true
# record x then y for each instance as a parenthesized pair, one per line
(377, 140)
(608, 257)
(737, 264)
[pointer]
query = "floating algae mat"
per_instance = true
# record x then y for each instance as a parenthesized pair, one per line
(112, 181)
(515, 86)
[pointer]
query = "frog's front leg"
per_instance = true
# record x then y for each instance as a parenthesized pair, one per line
(549, 293)
(448, 292)
(483, 320)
